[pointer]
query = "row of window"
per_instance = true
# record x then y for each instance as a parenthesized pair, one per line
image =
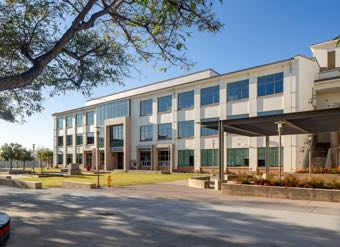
(266, 85)
(79, 120)
(79, 139)
(209, 157)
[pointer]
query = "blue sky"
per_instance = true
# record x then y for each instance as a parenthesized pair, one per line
(255, 32)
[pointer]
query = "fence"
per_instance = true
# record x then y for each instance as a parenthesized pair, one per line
(17, 164)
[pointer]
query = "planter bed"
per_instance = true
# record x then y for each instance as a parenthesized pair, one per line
(281, 192)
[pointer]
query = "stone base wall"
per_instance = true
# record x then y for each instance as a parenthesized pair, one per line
(20, 184)
(187, 169)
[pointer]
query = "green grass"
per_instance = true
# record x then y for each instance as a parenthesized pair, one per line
(118, 179)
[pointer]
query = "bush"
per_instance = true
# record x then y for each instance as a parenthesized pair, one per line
(244, 179)
(290, 181)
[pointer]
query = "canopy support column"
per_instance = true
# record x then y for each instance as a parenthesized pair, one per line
(279, 129)
(221, 150)
(267, 157)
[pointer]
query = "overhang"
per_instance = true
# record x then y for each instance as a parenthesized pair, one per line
(306, 122)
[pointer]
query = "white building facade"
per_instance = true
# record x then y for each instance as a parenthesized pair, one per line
(157, 126)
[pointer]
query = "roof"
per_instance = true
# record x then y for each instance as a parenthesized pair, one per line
(306, 122)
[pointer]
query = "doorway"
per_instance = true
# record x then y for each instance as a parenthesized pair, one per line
(120, 160)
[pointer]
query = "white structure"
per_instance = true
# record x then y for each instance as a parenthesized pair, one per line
(158, 126)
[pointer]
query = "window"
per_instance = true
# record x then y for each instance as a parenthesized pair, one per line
(185, 100)
(101, 137)
(68, 140)
(60, 159)
(238, 90)
(114, 109)
(165, 103)
(146, 107)
(163, 158)
(69, 158)
(79, 119)
(79, 159)
(69, 123)
(207, 131)
(117, 138)
(331, 59)
(270, 84)
(186, 129)
(90, 138)
(146, 133)
(238, 157)
(185, 157)
(60, 141)
(210, 95)
(268, 113)
(90, 118)
(273, 156)
(209, 157)
(145, 158)
(164, 131)
(79, 139)
(238, 116)
(60, 123)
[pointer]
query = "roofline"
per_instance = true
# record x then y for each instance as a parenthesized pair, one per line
(325, 42)
(154, 83)
(195, 81)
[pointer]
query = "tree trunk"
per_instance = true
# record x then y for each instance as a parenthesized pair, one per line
(24, 166)
(41, 170)
(10, 165)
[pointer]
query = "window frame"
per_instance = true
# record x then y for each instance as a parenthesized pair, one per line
(140, 107)
(185, 159)
(79, 115)
(158, 104)
(158, 131)
(179, 136)
(238, 153)
(89, 135)
(179, 108)
(92, 118)
(242, 86)
(204, 90)
(267, 81)
(140, 133)
(69, 140)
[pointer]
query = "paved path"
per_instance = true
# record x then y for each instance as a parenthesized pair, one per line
(169, 214)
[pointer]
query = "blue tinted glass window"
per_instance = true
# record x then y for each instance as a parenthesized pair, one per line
(146, 133)
(238, 90)
(146, 107)
(79, 119)
(165, 103)
(268, 113)
(60, 123)
(112, 110)
(90, 118)
(270, 84)
(69, 123)
(185, 100)
(117, 136)
(164, 131)
(210, 95)
(185, 129)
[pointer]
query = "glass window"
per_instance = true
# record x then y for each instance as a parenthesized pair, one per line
(60, 159)
(270, 84)
(79, 119)
(146, 133)
(165, 103)
(79, 159)
(185, 157)
(164, 131)
(185, 100)
(69, 123)
(238, 157)
(79, 139)
(117, 138)
(60, 140)
(186, 129)
(210, 95)
(145, 158)
(238, 90)
(268, 113)
(101, 137)
(238, 116)
(90, 118)
(146, 107)
(68, 140)
(163, 158)
(69, 158)
(208, 131)
(209, 157)
(89, 138)
(273, 156)
(114, 109)
(60, 123)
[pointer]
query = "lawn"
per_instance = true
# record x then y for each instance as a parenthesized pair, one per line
(118, 179)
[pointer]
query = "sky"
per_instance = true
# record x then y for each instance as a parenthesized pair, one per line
(255, 32)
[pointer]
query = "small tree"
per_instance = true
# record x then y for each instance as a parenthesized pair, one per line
(44, 155)
(10, 152)
(25, 155)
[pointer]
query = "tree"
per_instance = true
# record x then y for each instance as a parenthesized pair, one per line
(24, 156)
(44, 155)
(65, 45)
(10, 152)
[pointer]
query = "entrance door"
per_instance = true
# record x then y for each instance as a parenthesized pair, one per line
(120, 160)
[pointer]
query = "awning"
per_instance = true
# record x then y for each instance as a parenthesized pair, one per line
(306, 122)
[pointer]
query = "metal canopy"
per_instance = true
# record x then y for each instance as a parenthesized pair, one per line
(306, 122)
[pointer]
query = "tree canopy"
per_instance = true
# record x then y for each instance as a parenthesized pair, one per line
(10, 152)
(63, 45)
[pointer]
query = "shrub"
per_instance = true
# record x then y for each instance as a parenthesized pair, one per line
(244, 179)
(317, 182)
(290, 181)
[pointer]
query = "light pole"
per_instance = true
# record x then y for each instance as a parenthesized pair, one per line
(213, 159)
(33, 157)
(169, 160)
(97, 156)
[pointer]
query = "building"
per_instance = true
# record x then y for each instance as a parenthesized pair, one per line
(157, 126)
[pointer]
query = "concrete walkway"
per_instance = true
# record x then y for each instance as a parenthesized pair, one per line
(167, 214)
